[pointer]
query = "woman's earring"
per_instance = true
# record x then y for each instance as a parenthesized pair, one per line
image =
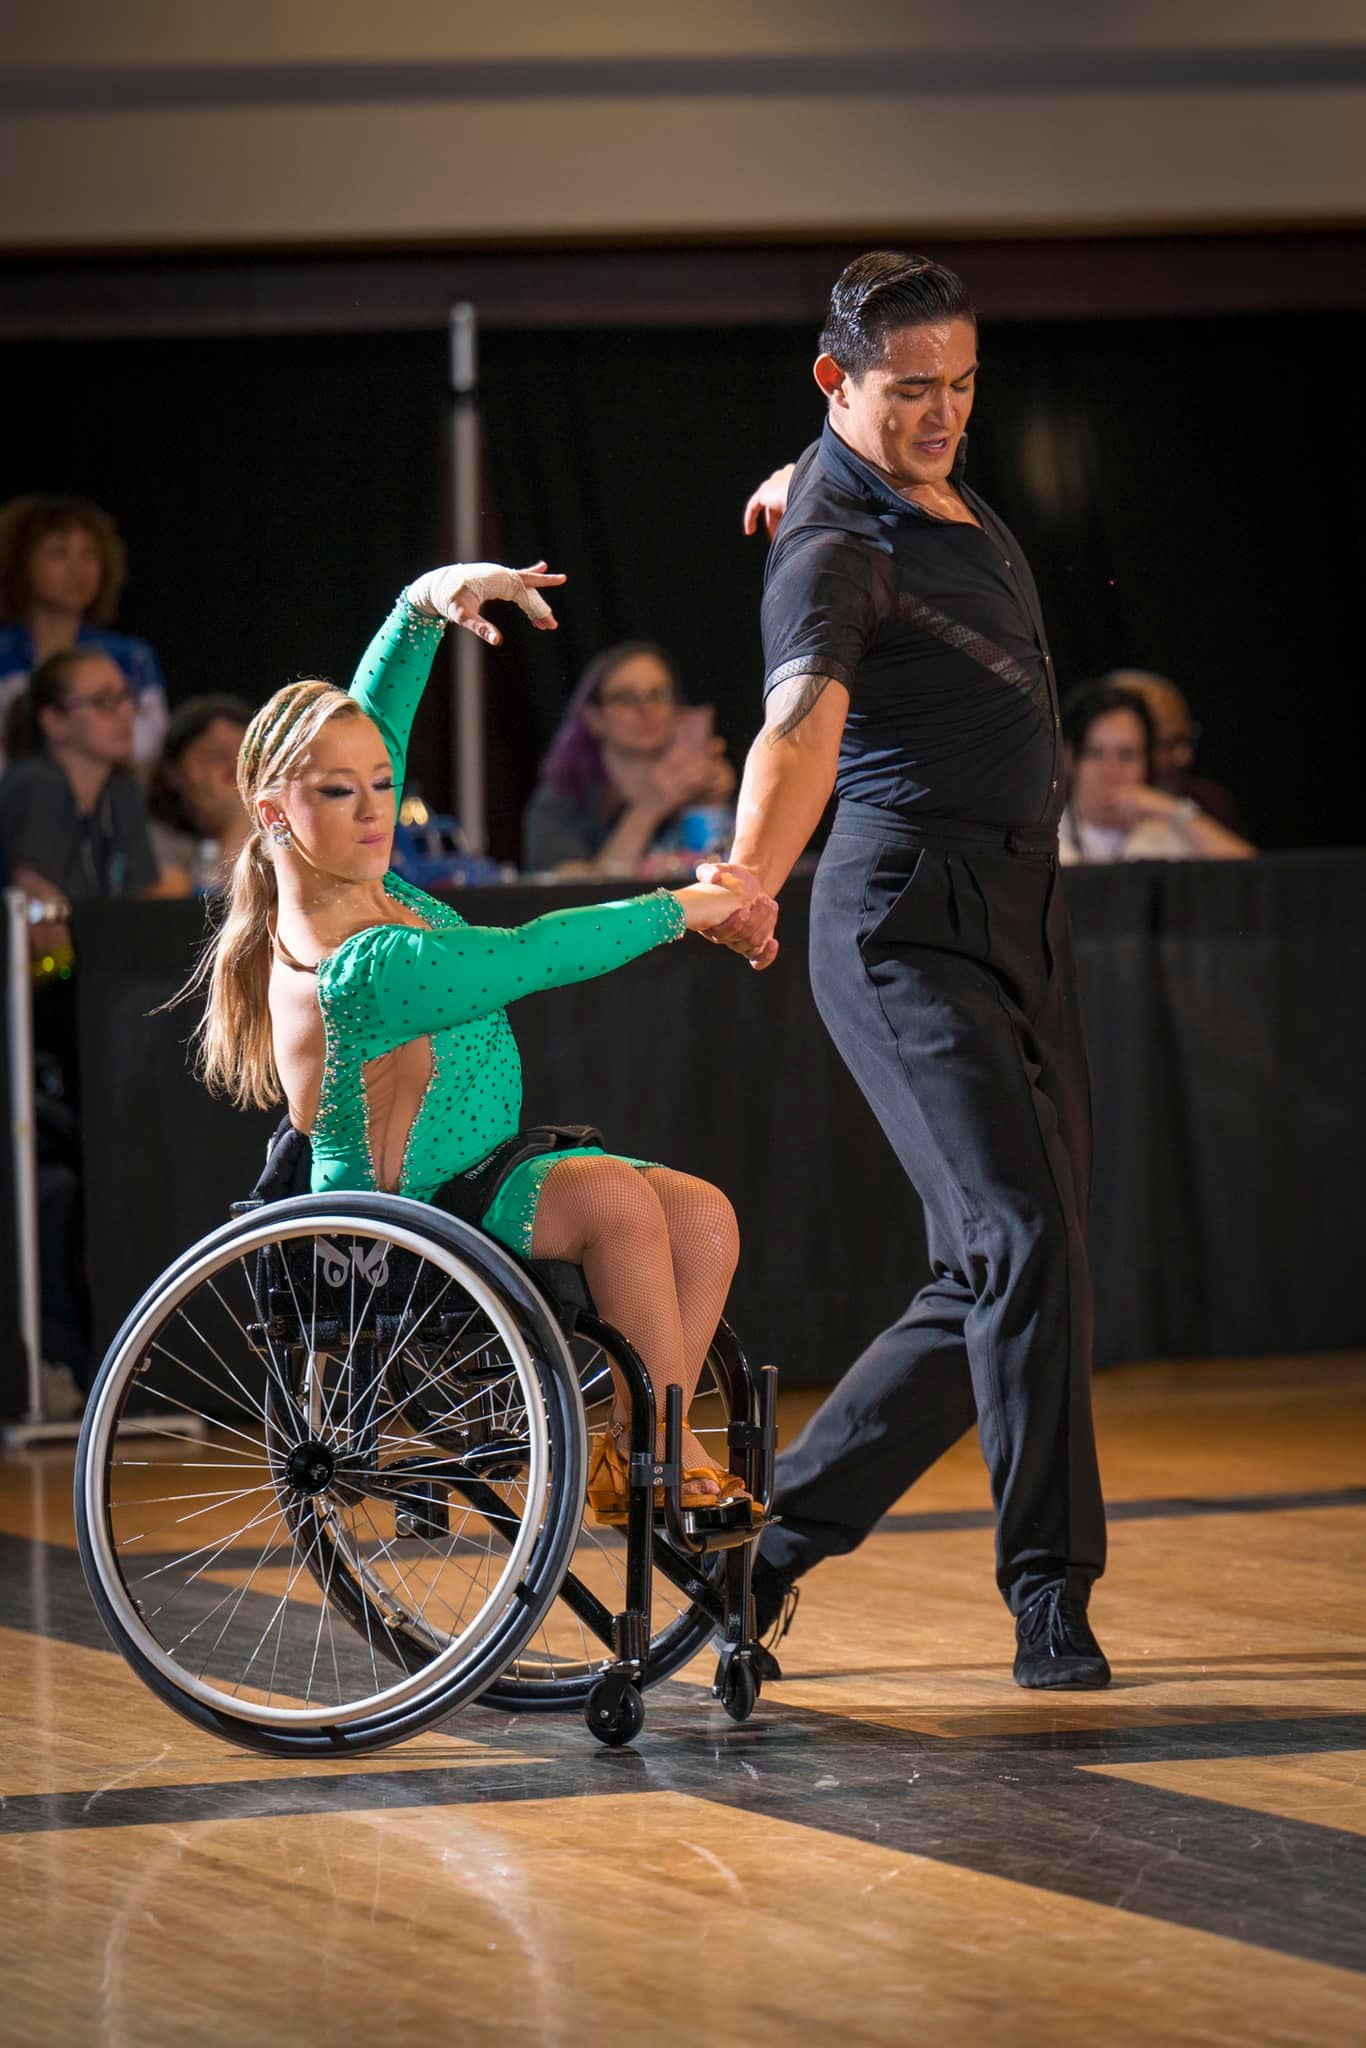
(280, 832)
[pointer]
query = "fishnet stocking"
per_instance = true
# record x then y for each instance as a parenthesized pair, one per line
(658, 1249)
(704, 1244)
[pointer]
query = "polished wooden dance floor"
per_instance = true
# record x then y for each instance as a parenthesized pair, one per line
(900, 1846)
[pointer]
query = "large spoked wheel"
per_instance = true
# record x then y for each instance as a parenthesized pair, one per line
(331, 1474)
(564, 1659)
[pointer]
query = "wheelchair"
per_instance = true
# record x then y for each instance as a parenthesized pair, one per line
(330, 1487)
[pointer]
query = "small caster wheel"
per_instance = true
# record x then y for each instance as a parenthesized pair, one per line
(738, 1688)
(615, 1715)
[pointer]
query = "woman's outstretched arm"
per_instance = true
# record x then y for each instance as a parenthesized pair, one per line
(426, 981)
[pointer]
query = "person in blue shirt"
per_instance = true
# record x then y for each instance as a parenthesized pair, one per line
(62, 567)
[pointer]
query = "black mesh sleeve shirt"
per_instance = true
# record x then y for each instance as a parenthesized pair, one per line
(934, 629)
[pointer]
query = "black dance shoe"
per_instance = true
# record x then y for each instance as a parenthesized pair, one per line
(775, 1603)
(1055, 1646)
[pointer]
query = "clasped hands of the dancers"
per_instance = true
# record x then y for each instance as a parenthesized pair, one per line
(458, 594)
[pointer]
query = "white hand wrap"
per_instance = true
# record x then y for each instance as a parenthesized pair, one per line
(440, 591)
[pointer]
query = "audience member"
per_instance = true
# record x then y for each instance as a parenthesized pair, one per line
(72, 819)
(627, 761)
(1175, 738)
(62, 565)
(72, 825)
(196, 818)
(1114, 809)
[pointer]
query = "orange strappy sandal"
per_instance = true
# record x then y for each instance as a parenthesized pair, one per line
(609, 1483)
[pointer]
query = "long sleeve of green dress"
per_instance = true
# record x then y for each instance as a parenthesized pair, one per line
(447, 980)
(393, 672)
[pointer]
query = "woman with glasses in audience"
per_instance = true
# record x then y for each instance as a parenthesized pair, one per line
(1176, 735)
(628, 759)
(72, 818)
(62, 566)
(1114, 809)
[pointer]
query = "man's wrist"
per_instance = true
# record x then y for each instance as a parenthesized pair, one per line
(753, 866)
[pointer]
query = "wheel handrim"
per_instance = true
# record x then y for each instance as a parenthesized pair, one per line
(283, 1469)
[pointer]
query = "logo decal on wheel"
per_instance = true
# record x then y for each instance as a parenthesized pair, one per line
(371, 1261)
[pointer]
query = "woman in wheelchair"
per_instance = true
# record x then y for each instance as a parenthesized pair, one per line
(380, 1016)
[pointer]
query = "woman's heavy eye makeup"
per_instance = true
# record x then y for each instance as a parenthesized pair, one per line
(381, 782)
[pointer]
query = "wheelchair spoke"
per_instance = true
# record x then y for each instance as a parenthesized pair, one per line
(324, 1615)
(429, 1382)
(410, 1334)
(215, 1550)
(218, 1500)
(300, 1563)
(201, 1415)
(417, 1613)
(346, 1370)
(232, 1591)
(369, 1639)
(309, 1322)
(421, 1614)
(277, 1379)
(254, 1409)
(241, 1592)
(405, 1337)
(183, 1366)
(181, 1464)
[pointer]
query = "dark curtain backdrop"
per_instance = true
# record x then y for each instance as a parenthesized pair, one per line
(1186, 489)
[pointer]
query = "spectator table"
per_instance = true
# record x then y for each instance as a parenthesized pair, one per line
(1224, 1007)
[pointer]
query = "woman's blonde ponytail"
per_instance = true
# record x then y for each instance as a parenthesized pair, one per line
(236, 1052)
(234, 1043)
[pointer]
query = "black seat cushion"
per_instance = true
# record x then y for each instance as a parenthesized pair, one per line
(565, 1281)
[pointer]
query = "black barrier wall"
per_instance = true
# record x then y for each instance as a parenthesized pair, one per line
(1223, 1005)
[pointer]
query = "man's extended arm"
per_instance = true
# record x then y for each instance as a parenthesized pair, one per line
(788, 777)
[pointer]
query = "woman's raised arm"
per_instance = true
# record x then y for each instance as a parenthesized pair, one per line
(395, 667)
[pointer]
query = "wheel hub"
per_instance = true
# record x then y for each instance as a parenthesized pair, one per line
(311, 1467)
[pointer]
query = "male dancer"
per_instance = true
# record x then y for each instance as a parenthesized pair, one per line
(907, 668)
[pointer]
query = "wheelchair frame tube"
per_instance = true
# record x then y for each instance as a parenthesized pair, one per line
(631, 1628)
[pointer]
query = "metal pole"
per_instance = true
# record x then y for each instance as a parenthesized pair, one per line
(468, 772)
(24, 1140)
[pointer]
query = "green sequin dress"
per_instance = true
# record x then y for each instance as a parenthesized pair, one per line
(450, 982)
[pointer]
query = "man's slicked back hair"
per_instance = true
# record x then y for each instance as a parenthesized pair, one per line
(880, 292)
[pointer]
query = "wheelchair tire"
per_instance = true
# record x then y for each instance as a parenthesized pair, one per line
(346, 1365)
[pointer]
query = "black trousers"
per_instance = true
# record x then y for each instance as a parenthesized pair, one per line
(941, 964)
